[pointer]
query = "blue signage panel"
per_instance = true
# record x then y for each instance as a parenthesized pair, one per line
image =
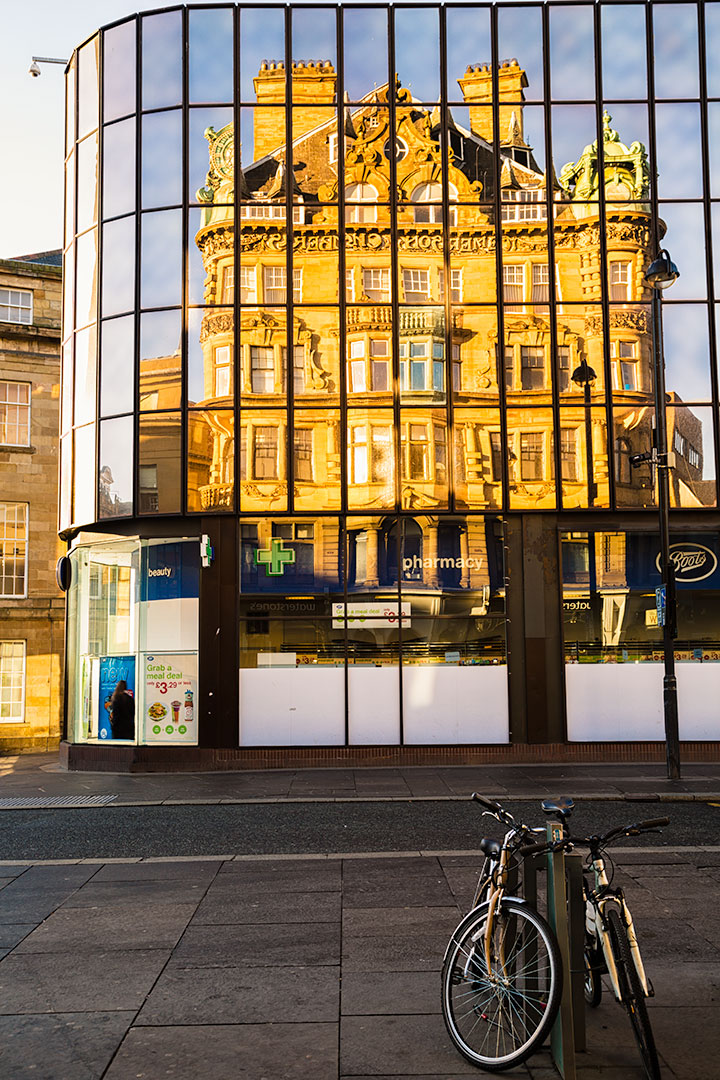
(696, 558)
(171, 571)
(112, 670)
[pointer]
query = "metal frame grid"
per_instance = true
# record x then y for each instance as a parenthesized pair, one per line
(491, 11)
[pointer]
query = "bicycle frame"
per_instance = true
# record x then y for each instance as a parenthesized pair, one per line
(596, 925)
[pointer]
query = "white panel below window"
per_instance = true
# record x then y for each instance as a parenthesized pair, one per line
(171, 625)
(292, 706)
(624, 702)
(374, 705)
(449, 704)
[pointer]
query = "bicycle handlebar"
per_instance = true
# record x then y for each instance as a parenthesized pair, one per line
(595, 842)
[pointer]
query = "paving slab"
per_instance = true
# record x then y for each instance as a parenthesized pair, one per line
(242, 995)
(243, 1052)
(235, 905)
(377, 993)
(409, 1046)
(281, 945)
(105, 981)
(404, 939)
(69, 1045)
(86, 930)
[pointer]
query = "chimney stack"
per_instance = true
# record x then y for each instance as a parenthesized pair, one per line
(476, 86)
(314, 85)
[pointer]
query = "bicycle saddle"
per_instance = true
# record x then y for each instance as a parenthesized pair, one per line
(489, 847)
(561, 808)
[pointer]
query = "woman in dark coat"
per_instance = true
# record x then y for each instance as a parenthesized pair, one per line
(122, 712)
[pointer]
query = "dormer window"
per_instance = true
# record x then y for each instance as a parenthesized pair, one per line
(432, 214)
(360, 194)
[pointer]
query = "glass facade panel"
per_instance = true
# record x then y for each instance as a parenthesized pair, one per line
(370, 458)
(117, 366)
(115, 476)
(365, 40)
(161, 258)
(160, 361)
(210, 55)
(85, 375)
(118, 266)
(162, 53)
(119, 169)
(210, 461)
(87, 112)
(572, 53)
(417, 51)
(87, 183)
(675, 39)
(159, 488)
(624, 51)
(161, 180)
(119, 63)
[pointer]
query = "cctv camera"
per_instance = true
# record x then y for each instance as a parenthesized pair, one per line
(34, 69)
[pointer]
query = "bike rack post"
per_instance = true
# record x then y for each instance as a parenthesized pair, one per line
(566, 915)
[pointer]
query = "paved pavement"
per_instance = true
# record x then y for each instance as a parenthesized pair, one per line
(36, 777)
(314, 968)
(306, 969)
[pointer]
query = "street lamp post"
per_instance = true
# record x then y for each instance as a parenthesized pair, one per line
(585, 376)
(660, 275)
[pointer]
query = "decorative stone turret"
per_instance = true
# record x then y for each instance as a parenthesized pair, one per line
(314, 87)
(476, 85)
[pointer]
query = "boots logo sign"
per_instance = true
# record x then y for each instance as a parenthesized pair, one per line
(692, 562)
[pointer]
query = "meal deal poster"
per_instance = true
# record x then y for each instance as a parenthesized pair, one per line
(171, 698)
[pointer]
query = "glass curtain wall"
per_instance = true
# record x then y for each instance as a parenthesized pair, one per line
(386, 294)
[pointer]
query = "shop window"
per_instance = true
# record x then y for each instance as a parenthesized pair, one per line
(14, 413)
(455, 286)
(563, 368)
(275, 284)
(228, 285)
(223, 371)
(12, 682)
(148, 489)
(513, 287)
(376, 284)
(568, 453)
(13, 549)
(380, 363)
(522, 204)
(415, 456)
(265, 453)
(248, 284)
(262, 369)
(624, 365)
(540, 286)
(16, 305)
(416, 286)
(440, 440)
(619, 280)
(496, 456)
(303, 454)
(532, 367)
(532, 455)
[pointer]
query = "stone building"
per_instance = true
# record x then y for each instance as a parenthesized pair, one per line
(32, 608)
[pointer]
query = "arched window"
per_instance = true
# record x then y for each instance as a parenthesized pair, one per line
(359, 194)
(432, 193)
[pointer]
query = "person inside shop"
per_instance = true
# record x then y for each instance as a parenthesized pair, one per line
(122, 712)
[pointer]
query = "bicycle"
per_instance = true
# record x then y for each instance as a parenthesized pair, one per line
(611, 945)
(502, 973)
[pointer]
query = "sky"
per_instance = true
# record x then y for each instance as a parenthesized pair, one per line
(32, 127)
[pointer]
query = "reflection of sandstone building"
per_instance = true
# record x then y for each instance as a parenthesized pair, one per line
(32, 620)
(570, 406)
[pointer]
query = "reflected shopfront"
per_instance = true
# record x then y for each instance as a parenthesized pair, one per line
(375, 324)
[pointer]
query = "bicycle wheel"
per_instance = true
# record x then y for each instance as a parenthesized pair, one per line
(632, 994)
(592, 985)
(497, 1018)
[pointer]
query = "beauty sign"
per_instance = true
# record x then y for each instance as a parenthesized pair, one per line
(171, 698)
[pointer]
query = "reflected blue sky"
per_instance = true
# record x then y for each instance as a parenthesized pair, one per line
(262, 37)
(162, 161)
(573, 128)
(417, 51)
(687, 351)
(161, 258)
(676, 53)
(210, 55)
(685, 240)
(162, 60)
(366, 55)
(572, 53)
(624, 52)
(314, 34)
(712, 49)
(520, 35)
(468, 42)
(679, 155)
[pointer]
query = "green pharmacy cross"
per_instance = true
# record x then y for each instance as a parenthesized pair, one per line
(274, 558)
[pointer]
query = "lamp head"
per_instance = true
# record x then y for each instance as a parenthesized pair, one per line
(662, 272)
(583, 374)
(34, 69)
